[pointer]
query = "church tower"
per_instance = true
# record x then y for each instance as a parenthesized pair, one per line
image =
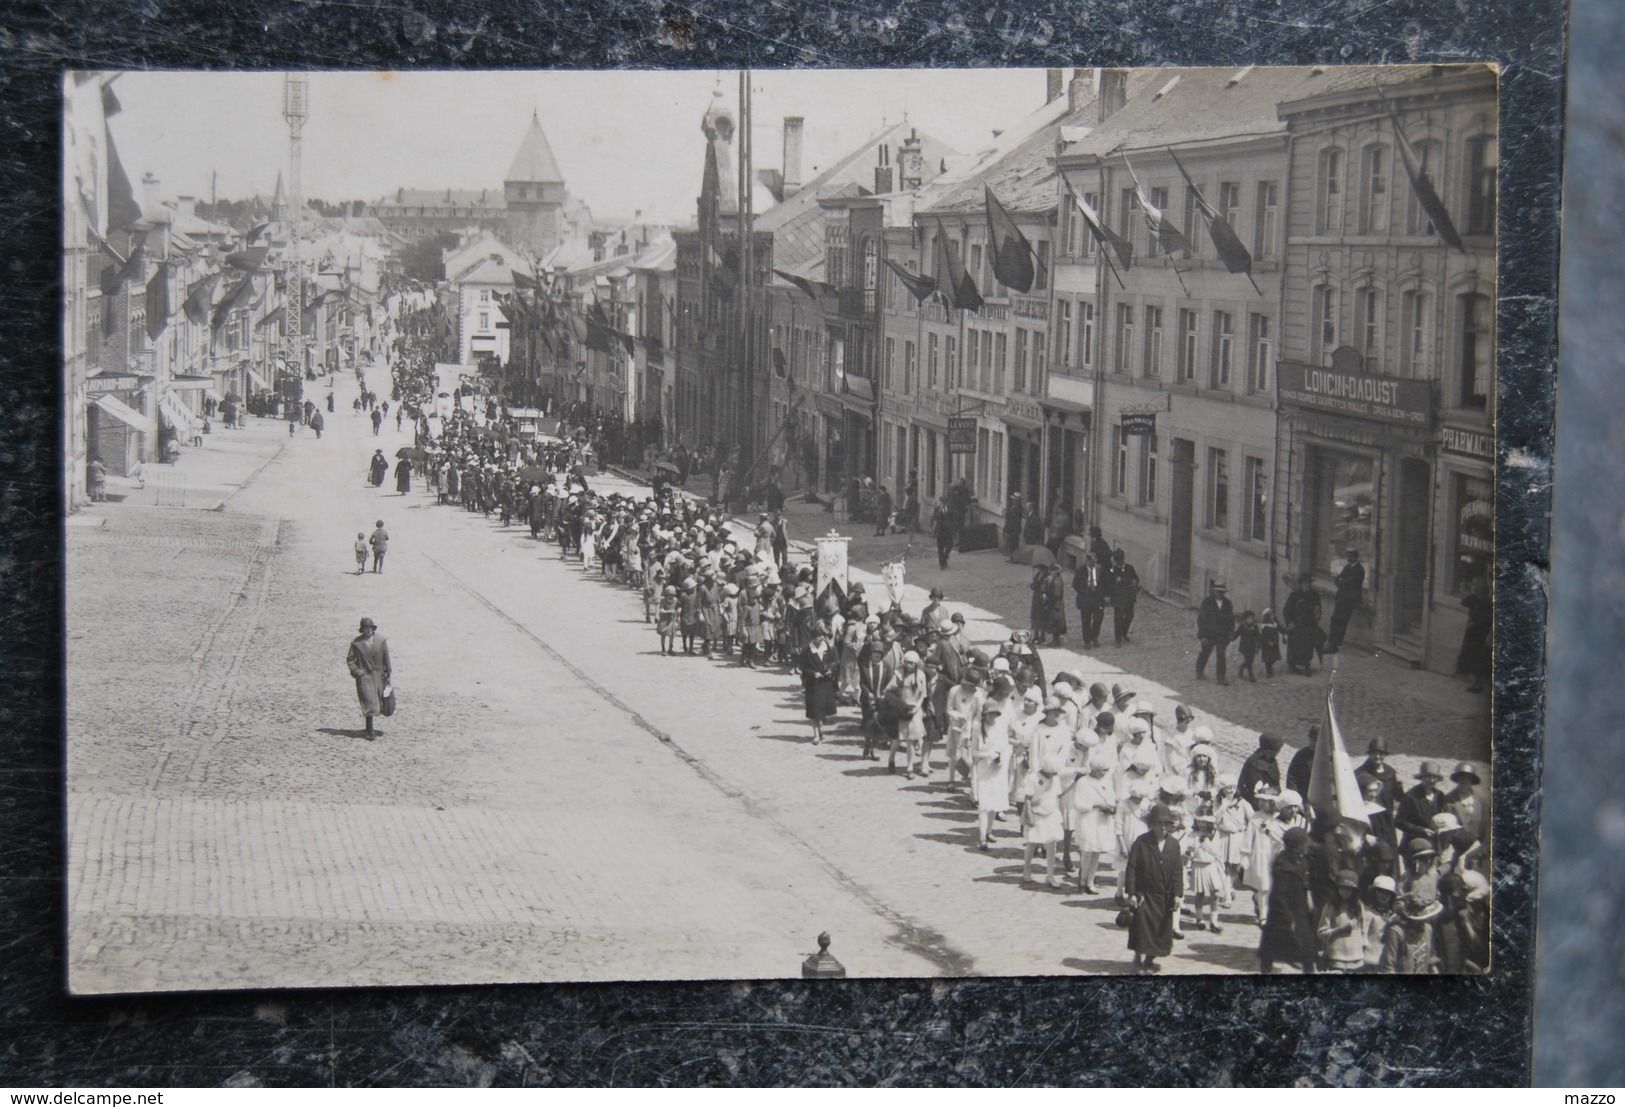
(535, 194)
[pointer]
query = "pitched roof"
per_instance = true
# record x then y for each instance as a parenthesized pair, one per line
(535, 162)
(444, 197)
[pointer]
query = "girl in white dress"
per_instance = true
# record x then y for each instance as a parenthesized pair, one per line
(1043, 825)
(990, 757)
(1266, 843)
(1207, 880)
(1234, 818)
(1092, 809)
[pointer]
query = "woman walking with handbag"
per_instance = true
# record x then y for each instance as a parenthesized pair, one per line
(818, 680)
(369, 665)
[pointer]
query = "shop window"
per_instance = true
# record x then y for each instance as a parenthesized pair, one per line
(1256, 522)
(1329, 205)
(1266, 219)
(1260, 354)
(891, 363)
(1153, 341)
(1086, 335)
(1344, 508)
(973, 343)
(1148, 469)
(1218, 489)
(1483, 160)
(1224, 349)
(1125, 338)
(1187, 345)
(986, 374)
(1035, 379)
(1474, 502)
(1374, 170)
(1477, 341)
(950, 375)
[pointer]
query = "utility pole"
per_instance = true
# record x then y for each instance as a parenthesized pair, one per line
(747, 267)
(295, 109)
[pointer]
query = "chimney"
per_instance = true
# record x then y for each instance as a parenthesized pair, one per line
(186, 205)
(1113, 91)
(910, 163)
(792, 154)
(883, 173)
(149, 189)
(1077, 92)
(1053, 84)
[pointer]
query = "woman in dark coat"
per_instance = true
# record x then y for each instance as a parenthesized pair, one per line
(1304, 635)
(1153, 881)
(376, 468)
(403, 476)
(1475, 657)
(368, 661)
(1289, 933)
(818, 682)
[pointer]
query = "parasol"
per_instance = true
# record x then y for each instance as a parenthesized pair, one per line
(1033, 555)
(666, 467)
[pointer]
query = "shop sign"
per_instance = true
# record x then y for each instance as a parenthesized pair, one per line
(1468, 443)
(1139, 424)
(961, 434)
(1018, 407)
(1023, 308)
(115, 382)
(1360, 395)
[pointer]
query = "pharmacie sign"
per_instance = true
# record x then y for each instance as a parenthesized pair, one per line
(1361, 395)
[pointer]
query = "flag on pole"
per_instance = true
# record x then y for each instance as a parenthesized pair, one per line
(918, 286)
(1012, 253)
(113, 277)
(806, 286)
(256, 231)
(1104, 235)
(1334, 793)
(122, 208)
(1421, 184)
(233, 300)
(199, 298)
(1168, 236)
(248, 260)
(1235, 256)
(952, 280)
(158, 302)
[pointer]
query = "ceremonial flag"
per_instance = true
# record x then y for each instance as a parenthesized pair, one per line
(952, 280)
(1426, 194)
(1012, 253)
(122, 208)
(1235, 256)
(1104, 235)
(232, 301)
(918, 286)
(520, 280)
(600, 335)
(806, 286)
(1334, 793)
(257, 231)
(248, 260)
(199, 298)
(113, 277)
(1168, 236)
(158, 302)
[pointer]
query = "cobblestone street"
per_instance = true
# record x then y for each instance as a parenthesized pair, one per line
(554, 801)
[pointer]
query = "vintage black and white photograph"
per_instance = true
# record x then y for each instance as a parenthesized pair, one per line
(601, 526)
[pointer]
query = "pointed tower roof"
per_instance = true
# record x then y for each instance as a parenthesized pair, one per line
(534, 163)
(279, 199)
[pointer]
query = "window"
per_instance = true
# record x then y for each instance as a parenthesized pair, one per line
(950, 376)
(1260, 354)
(1474, 532)
(1256, 521)
(908, 367)
(1153, 341)
(1428, 156)
(1477, 349)
(1087, 239)
(871, 276)
(983, 453)
(1374, 191)
(1329, 216)
(972, 348)
(1119, 461)
(1192, 223)
(1218, 487)
(1086, 335)
(987, 361)
(1368, 327)
(891, 363)
(1324, 322)
(1125, 338)
(1041, 266)
(996, 467)
(1001, 351)
(485, 320)
(1187, 346)
(1413, 334)
(1063, 332)
(1483, 159)
(1020, 376)
(930, 360)
(1125, 219)
(1224, 349)
(1148, 469)
(485, 295)
(1035, 380)
(1230, 202)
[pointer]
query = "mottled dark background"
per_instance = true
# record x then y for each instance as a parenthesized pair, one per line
(979, 1032)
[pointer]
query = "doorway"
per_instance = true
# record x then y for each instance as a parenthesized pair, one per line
(1180, 502)
(1411, 544)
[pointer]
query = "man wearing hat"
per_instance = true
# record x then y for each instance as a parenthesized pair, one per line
(942, 529)
(1089, 584)
(1350, 583)
(368, 660)
(1418, 806)
(1464, 802)
(1154, 882)
(1376, 767)
(934, 616)
(1125, 592)
(1215, 627)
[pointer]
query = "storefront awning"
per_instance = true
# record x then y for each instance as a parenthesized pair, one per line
(1065, 405)
(176, 413)
(259, 381)
(860, 388)
(205, 385)
(1020, 422)
(125, 414)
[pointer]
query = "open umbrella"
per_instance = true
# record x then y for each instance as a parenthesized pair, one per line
(233, 398)
(1033, 555)
(407, 451)
(533, 473)
(666, 467)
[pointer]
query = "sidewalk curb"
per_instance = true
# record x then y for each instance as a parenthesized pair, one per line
(221, 504)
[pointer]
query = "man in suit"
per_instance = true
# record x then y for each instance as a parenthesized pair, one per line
(1420, 804)
(1376, 767)
(1466, 804)
(877, 664)
(1125, 592)
(1215, 627)
(1090, 585)
(1350, 585)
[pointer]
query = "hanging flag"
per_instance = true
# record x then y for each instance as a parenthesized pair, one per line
(158, 302)
(600, 335)
(1334, 793)
(520, 280)
(918, 286)
(248, 260)
(952, 280)
(807, 287)
(1168, 236)
(122, 209)
(1235, 256)
(232, 301)
(1426, 195)
(199, 298)
(1103, 235)
(257, 231)
(627, 344)
(115, 276)
(1012, 253)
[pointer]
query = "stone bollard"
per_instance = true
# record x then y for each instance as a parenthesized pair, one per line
(823, 963)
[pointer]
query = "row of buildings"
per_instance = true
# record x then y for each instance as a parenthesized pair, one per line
(166, 314)
(1244, 419)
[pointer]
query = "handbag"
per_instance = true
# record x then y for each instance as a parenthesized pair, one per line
(1124, 917)
(386, 701)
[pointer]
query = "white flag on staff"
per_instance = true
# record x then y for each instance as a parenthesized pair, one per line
(1333, 789)
(892, 574)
